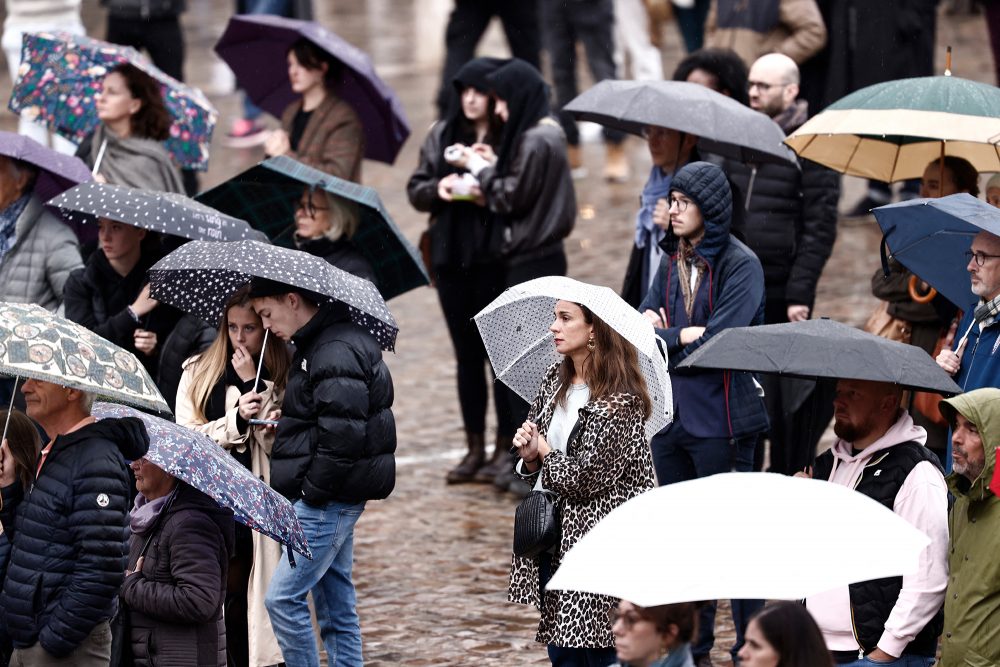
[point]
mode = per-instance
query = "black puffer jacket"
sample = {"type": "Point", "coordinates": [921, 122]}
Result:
{"type": "Point", "coordinates": [791, 223]}
{"type": "Point", "coordinates": [175, 602]}
{"type": "Point", "coordinates": [97, 297]}
{"type": "Point", "coordinates": [337, 435]}
{"type": "Point", "coordinates": [67, 560]}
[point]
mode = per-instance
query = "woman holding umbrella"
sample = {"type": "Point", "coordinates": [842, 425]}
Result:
{"type": "Point", "coordinates": [178, 560]}
{"type": "Point", "coordinates": [217, 396]}
{"type": "Point", "coordinates": [464, 245]}
{"type": "Point", "coordinates": [126, 148]}
{"type": "Point", "coordinates": [319, 129]}
{"type": "Point", "coordinates": [585, 441]}
{"type": "Point", "coordinates": [324, 225]}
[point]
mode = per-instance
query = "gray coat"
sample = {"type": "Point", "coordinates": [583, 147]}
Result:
{"type": "Point", "coordinates": [45, 252]}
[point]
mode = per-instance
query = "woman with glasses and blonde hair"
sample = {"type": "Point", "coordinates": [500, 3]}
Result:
{"type": "Point", "coordinates": [584, 440]}
{"type": "Point", "coordinates": [324, 225]}
{"type": "Point", "coordinates": [654, 636]}
{"type": "Point", "coordinates": [221, 396]}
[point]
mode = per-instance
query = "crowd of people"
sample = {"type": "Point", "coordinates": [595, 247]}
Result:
{"type": "Point", "coordinates": [107, 558]}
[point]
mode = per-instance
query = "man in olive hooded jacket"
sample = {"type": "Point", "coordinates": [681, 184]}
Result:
{"type": "Point", "coordinates": [972, 603]}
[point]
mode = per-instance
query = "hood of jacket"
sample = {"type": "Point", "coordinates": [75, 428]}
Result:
{"type": "Point", "coordinates": [847, 466]}
{"type": "Point", "coordinates": [706, 185]}
{"type": "Point", "coordinates": [982, 408]}
{"type": "Point", "coordinates": [128, 433]}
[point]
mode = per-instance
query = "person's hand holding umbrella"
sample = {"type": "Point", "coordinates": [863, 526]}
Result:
{"type": "Point", "coordinates": [277, 143]}
{"type": "Point", "coordinates": [145, 340]}
{"type": "Point", "coordinates": [531, 446]}
{"type": "Point", "coordinates": [950, 360]}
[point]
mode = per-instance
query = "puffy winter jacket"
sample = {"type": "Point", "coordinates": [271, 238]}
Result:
{"type": "Point", "coordinates": [175, 602]}
{"type": "Point", "coordinates": [67, 558]}
{"type": "Point", "coordinates": [337, 435]}
{"type": "Point", "coordinates": [35, 270]}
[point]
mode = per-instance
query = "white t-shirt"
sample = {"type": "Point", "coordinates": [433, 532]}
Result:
{"type": "Point", "coordinates": [564, 418]}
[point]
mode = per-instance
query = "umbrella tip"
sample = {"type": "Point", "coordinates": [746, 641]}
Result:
{"type": "Point", "coordinates": [947, 61]}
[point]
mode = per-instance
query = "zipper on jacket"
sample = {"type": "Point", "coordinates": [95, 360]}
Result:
{"type": "Point", "coordinates": [854, 629]}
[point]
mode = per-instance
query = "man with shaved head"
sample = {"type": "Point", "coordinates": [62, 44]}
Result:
{"type": "Point", "coordinates": [880, 453]}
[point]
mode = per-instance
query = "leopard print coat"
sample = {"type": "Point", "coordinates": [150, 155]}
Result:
{"type": "Point", "coordinates": [607, 461]}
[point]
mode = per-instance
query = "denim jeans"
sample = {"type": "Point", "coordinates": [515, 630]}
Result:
{"type": "Point", "coordinates": [902, 661]}
{"type": "Point", "coordinates": [330, 533]}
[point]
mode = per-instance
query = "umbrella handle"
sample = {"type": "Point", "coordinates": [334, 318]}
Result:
{"type": "Point", "coordinates": [883, 253]}
{"type": "Point", "coordinates": [915, 292]}
{"type": "Point", "coordinates": [260, 362]}
{"type": "Point", "coordinates": [10, 408]}
{"type": "Point", "coordinates": [100, 157]}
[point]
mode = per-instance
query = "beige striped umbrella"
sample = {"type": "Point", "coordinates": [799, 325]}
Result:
{"type": "Point", "coordinates": [892, 130]}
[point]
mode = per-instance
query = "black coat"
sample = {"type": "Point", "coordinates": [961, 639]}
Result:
{"type": "Point", "coordinates": [97, 298]}
{"type": "Point", "coordinates": [190, 336]}
{"type": "Point", "coordinates": [340, 253]}
{"type": "Point", "coordinates": [175, 602]}
{"type": "Point", "coordinates": [67, 560]}
{"type": "Point", "coordinates": [337, 435]}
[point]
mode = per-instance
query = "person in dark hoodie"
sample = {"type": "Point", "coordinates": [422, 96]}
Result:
{"type": "Point", "coordinates": [527, 185]}
{"type": "Point", "coordinates": [175, 585]}
{"type": "Point", "coordinates": [708, 281]}
{"type": "Point", "coordinates": [464, 250]}
{"type": "Point", "coordinates": [333, 451]}
{"type": "Point", "coordinates": [66, 563]}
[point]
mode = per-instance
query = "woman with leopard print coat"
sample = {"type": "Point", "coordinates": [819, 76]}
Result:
{"type": "Point", "coordinates": [584, 441]}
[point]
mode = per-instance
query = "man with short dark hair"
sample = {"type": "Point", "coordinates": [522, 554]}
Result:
{"type": "Point", "coordinates": [67, 554]}
{"type": "Point", "coordinates": [880, 453]}
{"type": "Point", "coordinates": [333, 451]}
{"type": "Point", "coordinates": [972, 604]}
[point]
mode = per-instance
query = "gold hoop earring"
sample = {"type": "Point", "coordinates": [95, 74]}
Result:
{"type": "Point", "coordinates": [591, 344]}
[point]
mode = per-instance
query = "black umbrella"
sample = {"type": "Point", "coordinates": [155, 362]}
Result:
{"type": "Point", "coordinates": [821, 349]}
{"type": "Point", "coordinates": [201, 276]}
{"type": "Point", "coordinates": [723, 125]}
{"type": "Point", "coordinates": [162, 212]}
{"type": "Point", "coordinates": [266, 196]}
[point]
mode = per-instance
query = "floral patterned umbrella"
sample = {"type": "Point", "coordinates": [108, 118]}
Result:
{"type": "Point", "coordinates": [199, 461]}
{"type": "Point", "coordinates": [61, 73]}
{"type": "Point", "coordinates": [35, 343]}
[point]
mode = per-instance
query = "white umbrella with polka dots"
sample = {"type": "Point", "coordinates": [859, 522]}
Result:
{"type": "Point", "coordinates": [200, 276]}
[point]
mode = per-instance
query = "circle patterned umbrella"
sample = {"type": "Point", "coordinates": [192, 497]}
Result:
{"type": "Point", "coordinates": [37, 344]}
{"type": "Point", "coordinates": [60, 74]}
{"type": "Point", "coordinates": [162, 212]}
{"type": "Point", "coordinates": [200, 276]}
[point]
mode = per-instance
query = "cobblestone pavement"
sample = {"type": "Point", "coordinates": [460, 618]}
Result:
{"type": "Point", "coordinates": [431, 561]}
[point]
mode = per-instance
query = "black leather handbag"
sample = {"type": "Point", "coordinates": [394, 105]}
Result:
{"type": "Point", "coordinates": [536, 524]}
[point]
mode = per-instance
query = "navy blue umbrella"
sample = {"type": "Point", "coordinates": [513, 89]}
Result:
{"type": "Point", "coordinates": [931, 236]}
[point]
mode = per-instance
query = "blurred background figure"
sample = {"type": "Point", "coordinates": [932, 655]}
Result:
{"type": "Point", "coordinates": [792, 27]}
{"type": "Point", "coordinates": [654, 636]}
{"type": "Point", "coordinates": [634, 40]}
{"type": "Point", "coordinates": [784, 634]}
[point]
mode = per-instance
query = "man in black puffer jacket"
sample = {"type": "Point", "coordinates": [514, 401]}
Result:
{"type": "Point", "coordinates": [334, 450]}
{"type": "Point", "coordinates": [67, 558]}
{"type": "Point", "coordinates": [791, 225]}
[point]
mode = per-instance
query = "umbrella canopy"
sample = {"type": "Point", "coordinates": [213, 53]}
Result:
{"type": "Point", "coordinates": [931, 236]}
{"type": "Point", "coordinates": [198, 460]}
{"type": "Point", "coordinates": [267, 195]}
{"type": "Point", "coordinates": [891, 131]}
{"type": "Point", "coordinates": [515, 330]}
{"type": "Point", "coordinates": [723, 125]}
{"type": "Point", "coordinates": [256, 48]}
{"type": "Point", "coordinates": [161, 212]}
{"type": "Point", "coordinates": [37, 344]}
{"type": "Point", "coordinates": [200, 276]}
{"type": "Point", "coordinates": [795, 529]}
{"type": "Point", "coordinates": [60, 75]}
{"type": "Point", "coordinates": [821, 349]}
{"type": "Point", "coordinates": [56, 172]}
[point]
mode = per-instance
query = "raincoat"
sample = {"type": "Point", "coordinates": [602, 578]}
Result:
{"type": "Point", "coordinates": [972, 604]}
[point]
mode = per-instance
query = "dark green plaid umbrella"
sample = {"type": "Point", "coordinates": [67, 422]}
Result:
{"type": "Point", "coordinates": [266, 196]}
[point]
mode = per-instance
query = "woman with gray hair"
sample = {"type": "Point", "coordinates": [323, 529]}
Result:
{"type": "Point", "coordinates": [324, 225]}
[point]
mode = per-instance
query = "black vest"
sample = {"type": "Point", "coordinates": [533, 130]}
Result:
{"type": "Point", "coordinates": [872, 601]}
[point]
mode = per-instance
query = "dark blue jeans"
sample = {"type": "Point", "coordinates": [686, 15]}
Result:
{"type": "Point", "coordinates": [679, 456]}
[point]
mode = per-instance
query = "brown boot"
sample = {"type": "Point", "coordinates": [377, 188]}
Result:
{"type": "Point", "coordinates": [574, 155]}
{"type": "Point", "coordinates": [499, 461]}
{"type": "Point", "coordinates": [616, 169]}
{"type": "Point", "coordinates": [465, 471]}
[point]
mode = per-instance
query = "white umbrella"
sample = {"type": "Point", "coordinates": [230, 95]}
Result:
{"type": "Point", "coordinates": [515, 330]}
{"type": "Point", "coordinates": [740, 536]}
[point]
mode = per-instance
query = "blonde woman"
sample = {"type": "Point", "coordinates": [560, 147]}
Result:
{"type": "Point", "coordinates": [324, 225]}
{"type": "Point", "coordinates": [217, 397]}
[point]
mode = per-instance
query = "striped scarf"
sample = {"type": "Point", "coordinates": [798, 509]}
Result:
{"type": "Point", "coordinates": [686, 259]}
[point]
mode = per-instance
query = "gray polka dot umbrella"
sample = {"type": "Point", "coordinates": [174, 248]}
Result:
{"type": "Point", "coordinates": [199, 277]}
{"type": "Point", "coordinates": [162, 212]}
{"type": "Point", "coordinates": [515, 330]}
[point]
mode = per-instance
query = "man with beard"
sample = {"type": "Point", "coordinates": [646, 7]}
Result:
{"type": "Point", "coordinates": [880, 453]}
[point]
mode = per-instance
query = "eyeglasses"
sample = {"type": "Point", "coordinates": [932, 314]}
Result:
{"type": "Point", "coordinates": [628, 618]}
{"type": "Point", "coordinates": [764, 87]}
{"type": "Point", "coordinates": [682, 204]}
{"type": "Point", "coordinates": [309, 208]}
{"type": "Point", "coordinates": [980, 256]}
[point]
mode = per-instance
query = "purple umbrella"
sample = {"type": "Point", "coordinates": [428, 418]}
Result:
{"type": "Point", "coordinates": [256, 48]}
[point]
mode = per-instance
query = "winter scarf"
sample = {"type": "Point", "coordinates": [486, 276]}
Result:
{"type": "Point", "coordinates": [686, 259]}
{"type": "Point", "coordinates": [657, 187]}
{"type": "Point", "coordinates": [145, 512]}
{"type": "Point", "coordinates": [8, 223]}
{"type": "Point", "coordinates": [986, 313]}
{"type": "Point", "coordinates": [138, 163]}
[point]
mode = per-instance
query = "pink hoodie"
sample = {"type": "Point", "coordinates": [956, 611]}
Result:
{"type": "Point", "coordinates": [923, 501]}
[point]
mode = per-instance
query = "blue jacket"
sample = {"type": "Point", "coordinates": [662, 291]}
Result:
{"type": "Point", "coordinates": [711, 404]}
{"type": "Point", "coordinates": [980, 362]}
